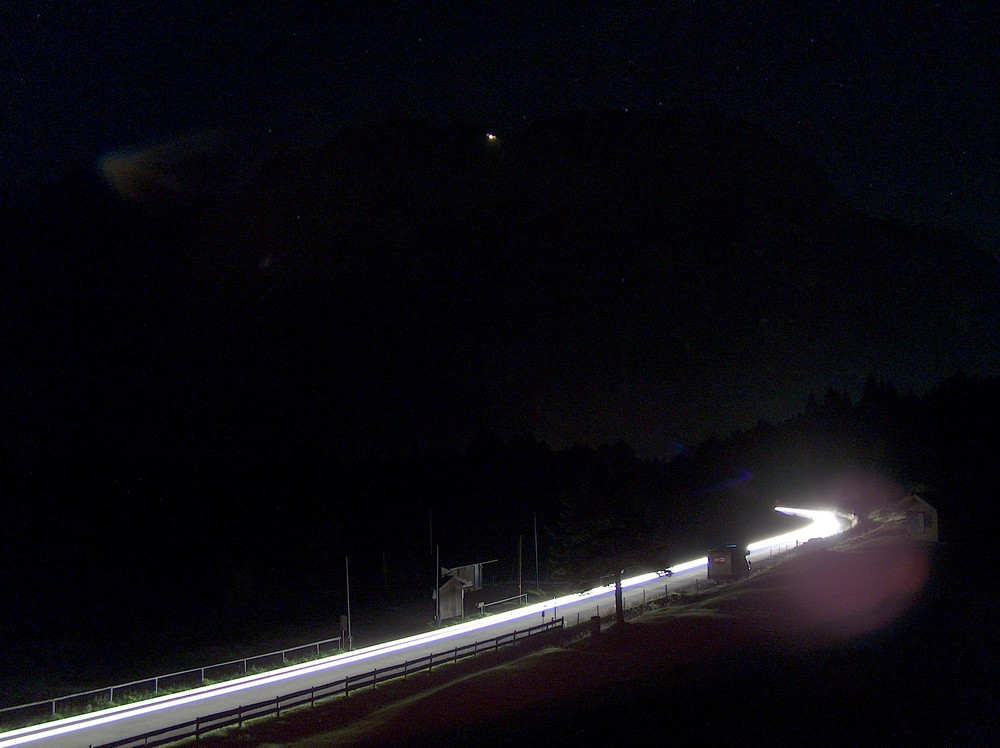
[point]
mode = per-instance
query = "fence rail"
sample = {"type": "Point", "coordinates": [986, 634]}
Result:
{"type": "Point", "coordinates": [197, 727]}
{"type": "Point", "coordinates": [46, 708]}
{"type": "Point", "coordinates": [522, 599]}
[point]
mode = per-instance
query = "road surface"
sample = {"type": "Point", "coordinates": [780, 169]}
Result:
{"type": "Point", "coordinates": [131, 720]}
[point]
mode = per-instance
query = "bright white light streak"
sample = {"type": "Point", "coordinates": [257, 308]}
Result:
{"type": "Point", "coordinates": [688, 565]}
{"type": "Point", "coordinates": [824, 523]}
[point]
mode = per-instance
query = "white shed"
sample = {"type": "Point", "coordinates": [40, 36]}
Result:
{"type": "Point", "coordinates": [921, 520]}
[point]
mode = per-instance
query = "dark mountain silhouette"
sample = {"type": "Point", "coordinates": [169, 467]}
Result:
{"type": "Point", "coordinates": [187, 381]}
{"type": "Point", "coordinates": [603, 276]}
{"type": "Point", "coordinates": [598, 276]}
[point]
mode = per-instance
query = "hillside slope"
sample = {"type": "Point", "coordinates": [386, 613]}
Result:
{"type": "Point", "coordinates": [859, 640]}
{"type": "Point", "coordinates": [600, 276]}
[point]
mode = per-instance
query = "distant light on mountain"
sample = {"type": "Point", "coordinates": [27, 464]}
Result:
{"type": "Point", "coordinates": [209, 162]}
{"type": "Point", "coordinates": [605, 276]}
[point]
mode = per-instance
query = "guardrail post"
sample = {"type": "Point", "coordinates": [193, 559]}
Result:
{"type": "Point", "coordinates": [214, 720]}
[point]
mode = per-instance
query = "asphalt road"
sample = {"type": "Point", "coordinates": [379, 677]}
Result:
{"type": "Point", "coordinates": [132, 720]}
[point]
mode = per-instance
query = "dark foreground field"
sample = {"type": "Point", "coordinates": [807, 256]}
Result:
{"type": "Point", "coordinates": [873, 639]}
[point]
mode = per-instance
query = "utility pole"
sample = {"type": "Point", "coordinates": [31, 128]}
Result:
{"type": "Point", "coordinates": [520, 538]}
{"type": "Point", "coordinates": [347, 576]}
{"type": "Point", "coordinates": [534, 517]}
{"type": "Point", "coordinates": [437, 567]}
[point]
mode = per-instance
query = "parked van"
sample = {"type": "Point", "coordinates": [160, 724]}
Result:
{"type": "Point", "coordinates": [729, 562]}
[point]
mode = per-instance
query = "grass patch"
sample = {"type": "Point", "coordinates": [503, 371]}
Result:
{"type": "Point", "coordinates": [142, 691]}
{"type": "Point", "coordinates": [684, 650]}
{"type": "Point", "coordinates": [351, 720]}
{"type": "Point", "coordinates": [481, 690]}
{"type": "Point", "coordinates": [679, 645]}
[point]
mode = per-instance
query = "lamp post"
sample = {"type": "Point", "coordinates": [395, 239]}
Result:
{"type": "Point", "coordinates": [520, 539]}
{"type": "Point", "coordinates": [347, 576]}
{"type": "Point", "coordinates": [534, 517]}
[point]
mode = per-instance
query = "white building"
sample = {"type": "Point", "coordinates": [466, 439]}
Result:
{"type": "Point", "coordinates": [921, 520]}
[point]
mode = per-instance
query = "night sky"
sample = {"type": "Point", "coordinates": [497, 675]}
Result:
{"type": "Point", "coordinates": [897, 106]}
{"type": "Point", "coordinates": [701, 228]}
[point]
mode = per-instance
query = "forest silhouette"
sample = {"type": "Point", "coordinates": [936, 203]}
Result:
{"type": "Point", "coordinates": [414, 336]}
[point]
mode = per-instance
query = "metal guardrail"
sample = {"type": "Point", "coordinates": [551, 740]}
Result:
{"type": "Point", "coordinates": [773, 556]}
{"type": "Point", "coordinates": [522, 598]}
{"type": "Point", "coordinates": [45, 709]}
{"type": "Point", "coordinates": [197, 727]}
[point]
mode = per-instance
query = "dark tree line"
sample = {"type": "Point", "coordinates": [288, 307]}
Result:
{"type": "Point", "coordinates": [858, 457]}
{"type": "Point", "coordinates": [175, 558]}
{"type": "Point", "coordinates": [207, 404]}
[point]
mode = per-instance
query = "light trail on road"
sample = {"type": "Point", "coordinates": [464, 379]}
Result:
{"type": "Point", "coordinates": [823, 524]}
